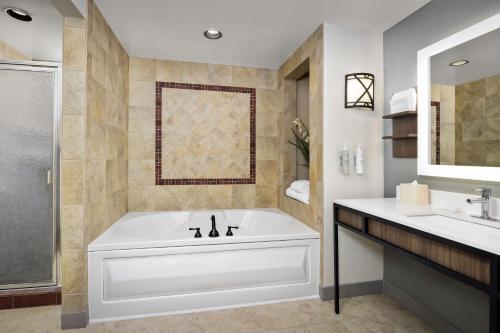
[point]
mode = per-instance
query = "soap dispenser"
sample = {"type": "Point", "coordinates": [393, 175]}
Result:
{"type": "Point", "coordinates": [358, 160]}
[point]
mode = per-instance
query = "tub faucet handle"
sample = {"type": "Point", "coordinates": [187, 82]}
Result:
{"type": "Point", "coordinates": [213, 232]}
{"type": "Point", "coordinates": [198, 233]}
{"type": "Point", "coordinates": [229, 231]}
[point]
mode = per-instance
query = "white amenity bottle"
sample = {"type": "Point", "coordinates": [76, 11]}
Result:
{"type": "Point", "coordinates": [358, 160]}
{"type": "Point", "coordinates": [344, 160]}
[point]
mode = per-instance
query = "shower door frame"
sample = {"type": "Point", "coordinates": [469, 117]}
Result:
{"type": "Point", "coordinates": [56, 69]}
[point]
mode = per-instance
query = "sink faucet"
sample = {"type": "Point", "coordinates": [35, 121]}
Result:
{"type": "Point", "coordinates": [485, 203]}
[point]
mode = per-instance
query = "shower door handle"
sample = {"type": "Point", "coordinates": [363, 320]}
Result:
{"type": "Point", "coordinates": [49, 177]}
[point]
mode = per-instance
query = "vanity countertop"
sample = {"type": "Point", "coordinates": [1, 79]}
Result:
{"type": "Point", "coordinates": [425, 219]}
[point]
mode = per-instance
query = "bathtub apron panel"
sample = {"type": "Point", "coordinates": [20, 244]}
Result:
{"type": "Point", "coordinates": [149, 263]}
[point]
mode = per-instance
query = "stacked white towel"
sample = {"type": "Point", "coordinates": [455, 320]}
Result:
{"type": "Point", "coordinates": [299, 190]}
{"type": "Point", "coordinates": [405, 100]}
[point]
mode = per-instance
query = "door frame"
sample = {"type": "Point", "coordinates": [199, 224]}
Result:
{"type": "Point", "coordinates": [56, 69]}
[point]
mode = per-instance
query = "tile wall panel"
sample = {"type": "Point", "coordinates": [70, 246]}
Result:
{"type": "Point", "coordinates": [94, 145]}
{"type": "Point", "coordinates": [201, 192]}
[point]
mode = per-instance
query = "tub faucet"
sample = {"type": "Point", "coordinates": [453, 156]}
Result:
{"type": "Point", "coordinates": [485, 203]}
{"type": "Point", "coordinates": [213, 232]}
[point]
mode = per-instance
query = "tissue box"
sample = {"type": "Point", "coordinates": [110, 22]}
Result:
{"type": "Point", "coordinates": [414, 194]}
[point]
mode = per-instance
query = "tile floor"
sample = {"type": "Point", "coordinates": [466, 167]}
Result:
{"type": "Point", "coordinates": [374, 313]}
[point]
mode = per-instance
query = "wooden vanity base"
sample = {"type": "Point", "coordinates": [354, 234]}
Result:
{"type": "Point", "coordinates": [469, 265]}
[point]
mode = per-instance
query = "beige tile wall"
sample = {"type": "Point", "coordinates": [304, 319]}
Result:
{"type": "Point", "coordinates": [106, 126]}
{"type": "Point", "coordinates": [478, 122]}
{"type": "Point", "coordinates": [72, 166]}
{"type": "Point", "coordinates": [445, 95]}
{"type": "Point", "coordinates": [470, 122]}
{"type": "Point", "coordinates": [143, 194]}
{"type": "Point", "coordinates": [312, 51]}
{"type": "Point", "coordinates": [7, 52]}
{"type": "Point", "coordinates": [94, 145]}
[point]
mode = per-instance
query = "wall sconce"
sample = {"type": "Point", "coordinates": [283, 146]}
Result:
{"type": "Point", "coordinates": [359, 91]}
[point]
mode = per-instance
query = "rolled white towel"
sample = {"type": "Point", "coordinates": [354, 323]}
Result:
{"type": "Point", "coordinates": [300, 186]}
{"type": "Point", "coordinates": [302, 197]}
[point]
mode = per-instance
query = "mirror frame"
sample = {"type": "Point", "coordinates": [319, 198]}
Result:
{"type": "Point", "coordinates": [425, 168]}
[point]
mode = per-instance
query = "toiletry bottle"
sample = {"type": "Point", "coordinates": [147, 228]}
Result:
{"type": "Point", "coordinates": [358, 160]}
{"type": "Point", "coordinates": [344, 160]}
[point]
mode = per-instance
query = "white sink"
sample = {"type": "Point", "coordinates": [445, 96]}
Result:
{"type": "Point", "coordinates": [445, 218]}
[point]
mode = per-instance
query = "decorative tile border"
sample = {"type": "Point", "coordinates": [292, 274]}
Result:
{"type": "Point", "coordinates": [438, 131]}
{"type": "Point", "coordinates": [158, 135]}
{"type": "Point", "coordinates": [26, 298]}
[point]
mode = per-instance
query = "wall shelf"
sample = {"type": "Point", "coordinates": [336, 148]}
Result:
{"type": "Point", "coordinates": [404, 114]}
{"type": "Point", "coordinates": [406, 137]}
{"type": "Point", "coordinates": [404, 127]}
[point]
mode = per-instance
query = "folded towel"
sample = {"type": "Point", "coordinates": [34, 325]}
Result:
{"type": "Point", "coordinates": [302, 197]}
{"type": "Point", "coordinates": [301, 186]}
{"type": "Point", "coordinates": [405, 100]}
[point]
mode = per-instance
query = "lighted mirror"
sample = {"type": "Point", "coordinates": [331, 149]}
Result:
{"type": "Point", "coordinates": [459, 105]}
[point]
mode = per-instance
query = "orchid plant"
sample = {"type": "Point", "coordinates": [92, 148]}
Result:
{"type": "Point", "coordinates": [301, 134]}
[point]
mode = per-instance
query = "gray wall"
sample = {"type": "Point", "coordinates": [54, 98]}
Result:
{"type": "Point", "coordinates": [446, 304]}
{"type": "Point", "coordinates": [461, 305]}
{"type": "Point", "coordinates": [433, 22]}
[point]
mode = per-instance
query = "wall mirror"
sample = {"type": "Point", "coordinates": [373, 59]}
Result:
{"type": "Point", "coordinates": [459, 104]}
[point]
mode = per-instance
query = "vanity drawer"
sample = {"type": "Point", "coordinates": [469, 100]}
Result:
{"type": "Point", "coordinates": [460, 261]}
{"type": "Point", "coordinates": [349, 218]}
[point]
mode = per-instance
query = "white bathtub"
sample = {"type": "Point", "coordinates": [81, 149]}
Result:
{"type": "Point", "coordinates": [150, 263]}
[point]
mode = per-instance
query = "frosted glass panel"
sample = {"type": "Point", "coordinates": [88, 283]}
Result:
{"type": "Point", "coordinates": [26, 139]}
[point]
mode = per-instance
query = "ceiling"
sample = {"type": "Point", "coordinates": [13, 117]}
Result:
{"type": "Point", "coordinates": [482, 52]}
{"type": "Point", "coordinates": [257, 33]}
{"type": "Point", "coordinates": [40, 39]}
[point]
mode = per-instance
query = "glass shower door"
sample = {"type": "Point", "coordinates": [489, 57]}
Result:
{"type": "Point", "coordinates": [28, 149]}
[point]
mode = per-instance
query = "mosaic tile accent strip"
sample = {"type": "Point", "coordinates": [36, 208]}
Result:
{"type": "Point", "coordinates": [159, 180]}
{"type": "Point", "coordinates": [438, 131]}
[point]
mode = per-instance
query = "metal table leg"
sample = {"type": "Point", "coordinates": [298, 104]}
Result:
{"type": "Point", "coordinates": [336, 265]}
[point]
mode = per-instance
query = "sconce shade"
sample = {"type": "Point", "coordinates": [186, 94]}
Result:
{"type": "Point", "coordinates": [359, 91]}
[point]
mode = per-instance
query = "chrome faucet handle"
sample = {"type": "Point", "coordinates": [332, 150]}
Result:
{"type": "Point", "coordinates": [485, 192]}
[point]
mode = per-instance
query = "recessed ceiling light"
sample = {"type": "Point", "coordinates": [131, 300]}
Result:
{"type": "Point", "coordinates": [18, 14]}
{"type": "Point", "coordinates": [459, 63]}
{"type": "Point", "coordinates": [212, 34]}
